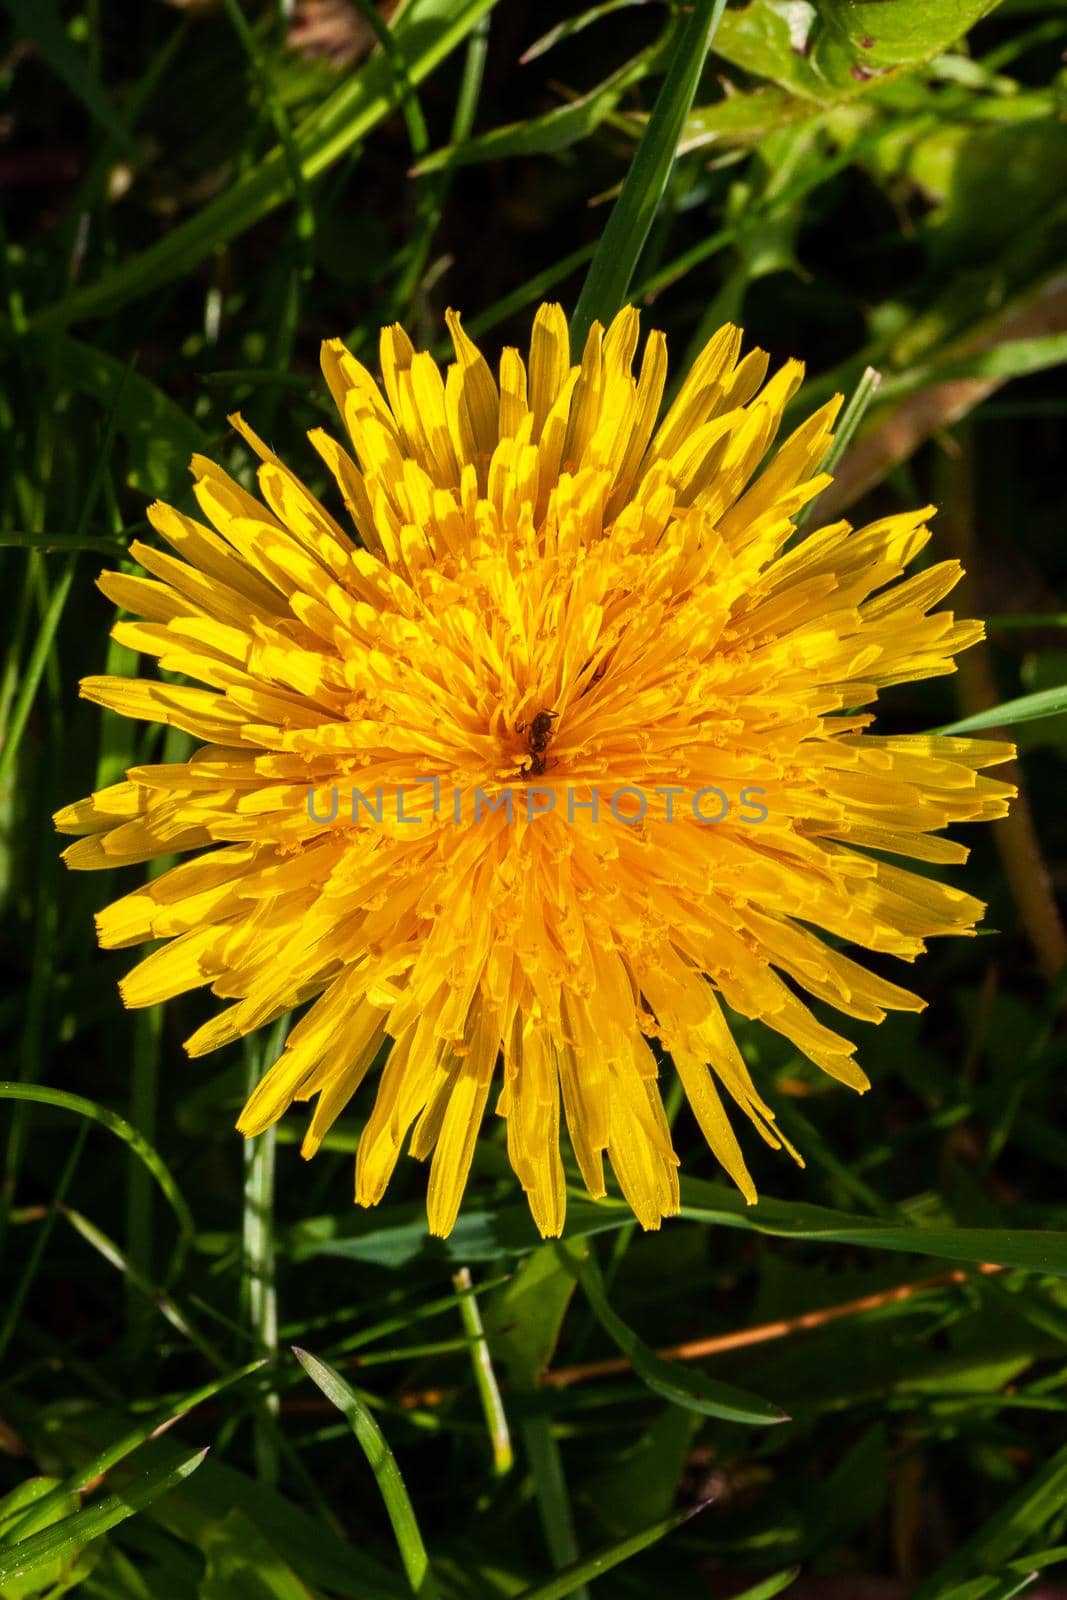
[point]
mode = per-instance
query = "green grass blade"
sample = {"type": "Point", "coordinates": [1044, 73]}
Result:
{"type": "Point", "coordinates": [1018, 1523]}
{"type": "Point", "coordinates": [305, 209]}
{"type": "Point", "coordinates": [259, 1297]}
{"type": "Point", "coordinates": [65, 1539]}
{"type": "Point", "coordinates": [553, 1499]}
{"type": "Point", "coordinates": [163, 1303]}
{"type": "Point", "coordinates": [79, 1481]}
{"type": "Point", "coordinates": [484, 1375]}
{"type": "Point", "coordinates": [612, 268]}
{"type": "Point", "coordinates": [386, 1472]}
{"type": "Point", "coordinates": [123, 1130]}
{"type": "Point", "coordinates": [612, 1555]}
{"type": "Point", "coordinates": [425, 33]}
{"type": "Point", "coordinates": [1015, 358]}
{"type": "Point", "coordinates": [557, 129]}
{"type": "Point", "coordinates": [573, 25]}
{"type": "Point", "coordinates": [669, 1379]}
{"type": "Point", "coordinates": [32, 673]}
{"type": "Point", "coordinates": [1027, 708]}
{"type": "Point", "coordinates": [851, 417]}
{"type": "Point", "coordinates": [777, 1583]}
{"type": "Point", "coordinates": [40, 1244]}
{"type": "Point", "coordinates": [1032, 1249]}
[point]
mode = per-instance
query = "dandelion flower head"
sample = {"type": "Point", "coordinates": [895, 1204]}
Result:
{"type": "Point", "coordinates": [536, 585]}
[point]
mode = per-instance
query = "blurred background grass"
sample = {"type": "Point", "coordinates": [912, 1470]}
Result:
{"type": "Point", "coordinates": [194, 195]}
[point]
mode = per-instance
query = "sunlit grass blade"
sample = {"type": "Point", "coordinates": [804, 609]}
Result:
{"type": "Point", "coordinates": [484, 1375]}
{"type": "Point", "coordinates": [1014, 358]}
{"type": "Point", "coordinates": [777, 1583]}
{"type": "Point", "coordinates": [79, 1481]}
{"type": "Point", "coordinates": [612, 1555]}
{"type": "Point", "coordinates": [612, 268]}
{"type": "Point", "coordinates": [851, 417]}
{"type": "Point", "coordinates": [383, 1465]}
{"type": "Point", "coordinates": [668, 1379]}
{"type": "Point", "coordinates": [64, 1539]}
{"type": "Point", "coordinates": [259, 1299]}
{"type": "Point", "coordinates": [1027, 708]}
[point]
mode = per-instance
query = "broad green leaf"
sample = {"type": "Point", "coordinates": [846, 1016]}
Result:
{"type": "Point", "coordinates": [424, 32]}
{"type": "Point", "coordinates": [630, 1486]}
{"type": "Point", "coordinates": [524, 1317]}
{"type": "Point", "coordinates": [621, 243]}
{"type": "Point", "coordinates": [904, 33]}
{"type": "Point", "coordinates": [66, 1538]}
{"type": "Point", "coordinates": [669, 1379]}
{"type": "Point", "coordinates": [396, 1236]}
{"type": "Point", "coordinates": [821, 52]}
{"type": "Point", "coordinates": [612, 1555]}
{"type": "Point", "coordinates": [383, 1465]}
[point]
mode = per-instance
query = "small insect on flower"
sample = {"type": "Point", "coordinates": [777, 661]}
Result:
{"type": "Point", "coordinates": [538, 733]}
{"type": "Point", "coordinates": [540, 538]}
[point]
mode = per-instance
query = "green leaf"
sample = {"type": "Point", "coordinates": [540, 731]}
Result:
{"type": "Point", "coordinates": [1027, 708]}
{"type": "Point", "coordinates": [902, 34]}
{"type": "Point", "coordinates": [669, 1379]}
{"type": "Point", "coordinates": [65, 1539]}
{"type": "Point", "coordinates": [525, 1316]}
{"type": "Point", "coordinates": [826, 52]}
{"type": "Point", "coordinates": [424, 32]}
{"type": "Point", "coordinates": [612, 1555]}
{"type": "Point", "coordinates": [612, 267]}
{"type": "Point", "coordinates": [383, 1465]}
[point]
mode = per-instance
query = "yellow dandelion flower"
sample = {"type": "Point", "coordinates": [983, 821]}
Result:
{"type": "Point", "coordinates": [544, 756]}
